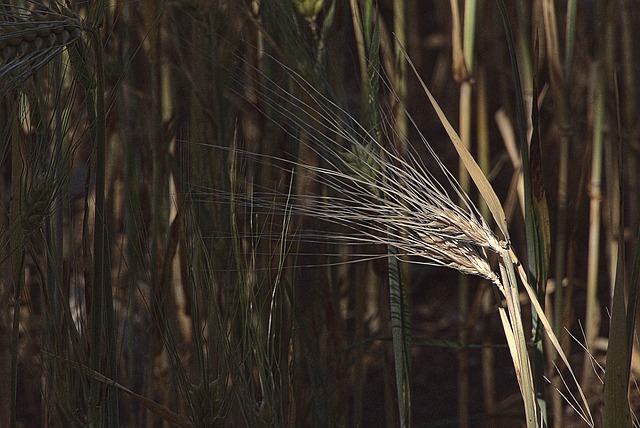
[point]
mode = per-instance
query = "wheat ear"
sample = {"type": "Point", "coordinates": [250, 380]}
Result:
{"type": "Point", "coordinates": [30, 38]}
{"type": "Point", "coordinates": [378, 194]}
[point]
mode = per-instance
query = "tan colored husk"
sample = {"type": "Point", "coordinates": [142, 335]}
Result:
{"type": "Point", "coordinates": [442, 234]}
{"type": "Point", "coordinates": [461, 255]}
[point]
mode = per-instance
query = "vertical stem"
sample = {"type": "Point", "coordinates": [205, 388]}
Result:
{"type": "Point", "coordinates": [524, 55]}
{"type": "Point", "coordinates": [629, 21]}
{"type": "Point", "coordinates": [401, 68]}
{"type": "Point", "coordinates": [563, 168]}
{"type": "Point", "coordinates": [463, 280]}
{"type": "Point", "coordinates": [525, 379]}
{"type": "Point", "coordinates": [591, 323]}
{"type": "Point", "coordinates": [484, 161]}
{"type": "Point", "coordinates": [469, 33]}
{"type": "Point", "coordinates": [616, 410]}
{"type": "Point", "coordinates": [16, 250]}
{"type": "Point", "coordinates": [595, 193]}
{"type": "Point", "coordinates": [402, 339]}
{"type": "Point", "coordinates": [561, 82]}
{"type": "Point", "coordinates": [464, 179]}
{"type": "Point", "coordinates": [6, 273]}
{"type": "Point", "coordinates": [102, 297]}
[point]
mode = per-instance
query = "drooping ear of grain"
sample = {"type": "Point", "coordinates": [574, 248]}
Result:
{"type": "Point", "coordinates": [377, 190]}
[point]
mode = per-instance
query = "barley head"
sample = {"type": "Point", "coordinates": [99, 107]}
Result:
{"type": "Point", "coordinates": [379, 195]}
{"type": "Point", "coordinates": [29, 39]}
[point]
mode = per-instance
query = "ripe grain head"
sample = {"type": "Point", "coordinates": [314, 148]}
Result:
{"type": "Point", "coordinates": [377, 194]}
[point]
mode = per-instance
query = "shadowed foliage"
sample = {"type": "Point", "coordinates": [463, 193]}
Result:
{"type": "Point", "coordinates": [301, 212]}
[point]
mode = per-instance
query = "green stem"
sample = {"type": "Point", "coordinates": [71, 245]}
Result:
{"type": "Point", "coordinates": [466, 93]}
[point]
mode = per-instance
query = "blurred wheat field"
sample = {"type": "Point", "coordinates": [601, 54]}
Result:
{"type": "Point", "coordinates": [249, 213]}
